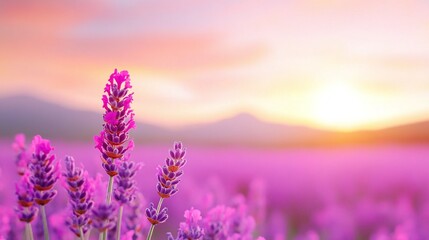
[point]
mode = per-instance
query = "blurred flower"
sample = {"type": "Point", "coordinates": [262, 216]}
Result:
{"type": "Point", "coordinates": [26, 210]}
{"type": "Point", "coordinates": [221, 222]}
{"type": "Point", "coordinates": [133, 220]}
{"type": "Point", "coordinates": [44, 174]}
{"type": "Point", "coordinates": [104, 217]}
{"type": "Point", "coordinates": [217, 222]}
{"type": "Point", "coordinates": [113, 141]}
{"type": "Point", "coordinates": [22, 157]}
{"type": "Point", "coordinates": [80, 197]}
{"type": "Point", "coordinates": [125, 184]}
{"type": "Point", "coordinates": [242, 223]}
{"type": "Point", "coordinates": [191, 228]}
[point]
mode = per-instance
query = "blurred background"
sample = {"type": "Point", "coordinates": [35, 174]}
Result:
{"type": "Point", "coordinates": [316, 111]}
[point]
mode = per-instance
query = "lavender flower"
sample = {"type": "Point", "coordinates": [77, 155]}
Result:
{"type": "Point", "coordinates": [125, 189]}
{"type": "Point", "coordinates": [24, 191]}
{"type": "Point", "coordinates": [168, 179]}
{"type": "Point", "coordinates": [169, 173]}
{"type": "Point", "coordinates": [190, 229]}
{"type": "Point", "coordinates": [125, 184]}
{"type": "Point", "coordinates": [119, 119]}
{"type": "Point", "coordinates": [80, 193]}
{"type": "Point", "coordinates": [103, 217]}
{"type": "Point", "coordinates": [113, 141]}
{"type": "Point", "coordinates": [220, 223]}
{"type": "Point", "coordinates": [44, 174]}
{"type": "Point", "coordinates": [155, 216]}
{"type": "Point", "coordinates": [217, 222]}
{"type": "Point", "coordinates": [21, 158]}
{"type": "Point", "coordinates": [242, 223]}
{"type": "Point", "coordinates": [133, 219]}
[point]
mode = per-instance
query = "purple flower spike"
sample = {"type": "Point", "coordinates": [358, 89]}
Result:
{"type": "Point", "coordinates": [24, 192]}
{"type": "Point", "coordinates": [125, 184]}
{"type": "Point", "coordinates": [80, 193]}
{"type": "Point", "coordinates": [77, 222]}
{"type": "Point", "coordinates": [103, 217]}
{"type": "Point", "coordinates": [155, 218]}
{"type": "Point", "coordinates": [44, 173]}
{"type": "Point", "coordinates": [26, 210]}
{"type": "Point", "coordinates": [26, 214]}
{"type": "Point", "coordinates": [113, 141]}
{"type": "Point", "coordinates": [169, 173]}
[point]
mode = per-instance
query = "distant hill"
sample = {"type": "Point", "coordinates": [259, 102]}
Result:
{"type": "Point", "coordinates": [245, 129]}
{"type": "Point", "coordinates": [33, 116]}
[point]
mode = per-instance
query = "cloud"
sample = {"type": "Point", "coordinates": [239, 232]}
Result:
{"type": "Point", "coordinates": [212, 54]}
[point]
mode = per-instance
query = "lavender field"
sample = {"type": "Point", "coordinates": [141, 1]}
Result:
{"type": "Point", "coordinates": [214, 120]}
{"type": "Point", "coordinates": [359, 192]}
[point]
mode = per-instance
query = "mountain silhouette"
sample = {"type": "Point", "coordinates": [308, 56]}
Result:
{"type": "Point", "coordinates": [32, 116]}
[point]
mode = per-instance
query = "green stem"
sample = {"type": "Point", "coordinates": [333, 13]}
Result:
{"type": "Point", "coordinates": [82, 237]}
{"type": "Point", "coordinates": [149, 236]}
{"type": "Point", "coordinates": [26, 236]}
{"type": "Point", "coordinates": [109, 191]}
{"type": "Point", "coordinates": [28, 231]}
{"type": "Point", "coordinates": [118, 227]}
{"type": "Point", "coordinates": [45, 223]}
{"type": "Point", "coordinates": [103, 235]}
{"type": "Point", "coordinates": [88, 234]}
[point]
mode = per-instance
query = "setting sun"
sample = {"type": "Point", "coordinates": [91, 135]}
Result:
{"type": "Point", "coordinates": [339, 105]}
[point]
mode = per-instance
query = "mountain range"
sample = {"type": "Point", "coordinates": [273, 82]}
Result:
{"type": "Point", "coordinates": [33, 116]}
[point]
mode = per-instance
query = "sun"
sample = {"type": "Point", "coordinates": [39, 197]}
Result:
{"type": "Point", "coordinates": [339, 105]}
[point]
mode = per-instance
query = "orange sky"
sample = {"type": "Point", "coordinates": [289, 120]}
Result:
{"type": "Point", "coordinates": [332, 64]}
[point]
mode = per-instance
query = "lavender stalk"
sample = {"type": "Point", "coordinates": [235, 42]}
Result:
{"type": "Point", "coordinates": [125, 188]}
{"type": "Point", "coordinates": [44, 175]}
{"type": "Point", "coordinates": [80, 194]}
{"type": "Point", "coordinates": [113, 141]}
{"type": "Point", "coordinates": [168, 180]}
{"type": "Point", "coordinates": [103, 217]}
{"type": "Point", "coordinates": [26, 210]}
{"type": "Point", "coordinates": [21, 157]}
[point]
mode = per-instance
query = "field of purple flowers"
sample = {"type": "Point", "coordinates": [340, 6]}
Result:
{"type": "Point", "coordinates": [112, 189]}
{"type": "Point", "coordinates": [345, 193]}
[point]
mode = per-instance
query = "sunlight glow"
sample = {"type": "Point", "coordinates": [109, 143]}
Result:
{"type": "Point", "coordinates": [339, 105]}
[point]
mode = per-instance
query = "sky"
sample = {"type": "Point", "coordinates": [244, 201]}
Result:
{"type": "Point", "coordinates": [331, 64]}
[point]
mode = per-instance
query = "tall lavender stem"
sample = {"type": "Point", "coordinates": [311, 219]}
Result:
{"type": "Point", "coordinates": [125, 188]}
{"type": "Point", "coordinates": [118, 227]}
{"type": "Point", "coordinates": [113, 141]}
{"type": "Point", "coordinates": [29, 231]}
{"type": "Point", "coordinates": [45, 223]}
{"type": "Point", "coordinates": [26, 210]}
{"type": "Point", "coordinates": [80, 197]}
{"type": "Point", "coordinates": [168, 180]}
{"type": "Point", "coordinates": [109, 190]}
{"type": "Point", "coordinates": [82, 235]}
